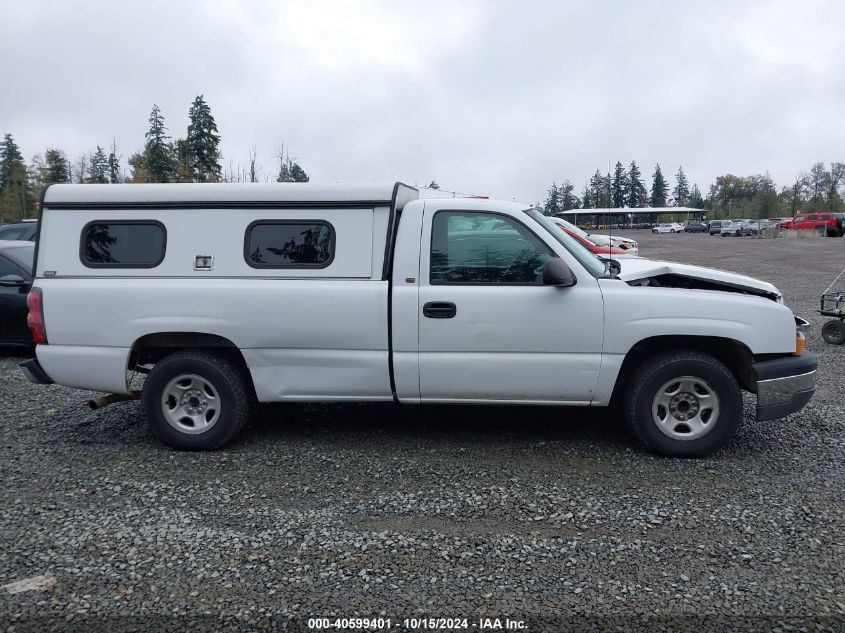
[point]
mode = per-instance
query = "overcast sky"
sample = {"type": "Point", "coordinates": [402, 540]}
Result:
{"type": "Point", "coordinates": [486, 97]}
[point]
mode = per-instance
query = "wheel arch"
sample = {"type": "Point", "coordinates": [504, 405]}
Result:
{"type": "Point", "coordinates": [735, 355]}
{"type": "Point", "coordinates": [151, 348]}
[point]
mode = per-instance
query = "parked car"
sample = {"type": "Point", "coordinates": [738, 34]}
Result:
{"type": "Point", "coordinates": [668, 227]}
{"type": "Point", "coordinates": [697, 227]}
{"type": "Point", "coordinates": [15, 281]}
{"type": "Point", "coordinates": [757, 226]}
{"type": "Point", "coordinates": [830, 224]}
{"type": "Point", "coordinates": [224, 295]}
{"type": "Point", "coordinates": [715, 227]}
{"type": "Point", "coordinates": [23, 230]}
{"type": "Point", "coordinates": [735, 227]}
{"type": "Point", "coordinates": [615, 241]}
{"type": "Point", "coordinates": [601, 245]}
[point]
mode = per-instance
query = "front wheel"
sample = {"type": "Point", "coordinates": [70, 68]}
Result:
{"type": "Point", "coordinates": [683, 404]}
{"type": "Point", "coordinates": [197, 400]}
{"type": "Point", "coordinates": [833, 332]}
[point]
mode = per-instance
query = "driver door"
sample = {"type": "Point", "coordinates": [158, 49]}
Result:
{"type": "Point", "coordinates": [13, 310]}
{"type": "Point", "coordinates": [489, 330]}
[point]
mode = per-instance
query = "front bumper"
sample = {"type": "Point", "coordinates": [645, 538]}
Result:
{"type": "Point", "coordinates": [784, 385]}
{"type": "Point", "coordinates": [34, 372]}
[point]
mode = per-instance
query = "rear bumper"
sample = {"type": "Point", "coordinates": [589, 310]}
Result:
{"type": "Point", "coordinates": [34, 372]}
{"type": "Point", "coordinates": [785, 385]}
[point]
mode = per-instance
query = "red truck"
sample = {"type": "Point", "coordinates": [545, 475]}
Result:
{"type": "Point", "coordinates": [830, 224]}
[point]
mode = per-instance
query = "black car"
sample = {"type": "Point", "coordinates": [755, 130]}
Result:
{"type": "Point", "coordinates": [24, 230]}
{"type": "Point", "coordinates": [16, 259]}
{"type": "Point", "coordinates": [697, 227]}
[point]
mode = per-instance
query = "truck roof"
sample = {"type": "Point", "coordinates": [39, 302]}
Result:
{"type": "Point", "coordinates": [182, 194]}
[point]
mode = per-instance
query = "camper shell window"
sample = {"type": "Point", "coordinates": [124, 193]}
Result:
{"type": "Point", "coordinates": [289, 244]}
{"type": "Point", "coordinates": [123, 244]}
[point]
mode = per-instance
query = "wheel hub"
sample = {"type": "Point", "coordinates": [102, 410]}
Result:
{"type": "Point", "coordinates": [190, 403]}
{"type": "Point", "coordinates": [194, 402]}
{"type": "Point", "coordinates": [684, 406]}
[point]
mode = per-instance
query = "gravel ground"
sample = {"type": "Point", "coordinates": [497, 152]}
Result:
{"type": "Point", "coordinates": [554, 517]}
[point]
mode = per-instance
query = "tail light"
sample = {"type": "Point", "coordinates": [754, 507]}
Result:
{"type": "Point", "coordinates": [35, 318]}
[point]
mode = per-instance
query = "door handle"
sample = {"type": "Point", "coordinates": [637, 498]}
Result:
{"type": "Point", "coordinates": [440, 310]}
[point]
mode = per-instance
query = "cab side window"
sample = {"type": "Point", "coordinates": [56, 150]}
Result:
{"type": "Point", "coordinates": [484, 248]}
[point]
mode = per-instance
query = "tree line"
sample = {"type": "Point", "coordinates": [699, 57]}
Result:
{"type": "Point", "coordinates": [757, 196]}
{"type": "Point", "coordinates": [195, 157]}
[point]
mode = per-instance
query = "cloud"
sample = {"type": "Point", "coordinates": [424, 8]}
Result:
{"type": "Point", "coordinates": [486, 97]}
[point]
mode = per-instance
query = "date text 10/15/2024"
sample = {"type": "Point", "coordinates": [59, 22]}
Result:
{"type": "Point", "coordinates": [417, 624]}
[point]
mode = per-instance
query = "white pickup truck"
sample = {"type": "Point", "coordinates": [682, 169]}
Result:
{"type": "Point", "coordinates": [226, 295]}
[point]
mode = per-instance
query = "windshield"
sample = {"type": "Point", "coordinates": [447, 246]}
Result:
{"type": "Point", "coordinates": [581, 253]}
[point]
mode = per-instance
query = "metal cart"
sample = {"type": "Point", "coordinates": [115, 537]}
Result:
{"type": "Point", "coordinates": [833, 305]}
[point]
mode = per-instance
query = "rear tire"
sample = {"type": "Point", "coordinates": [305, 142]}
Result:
{"type": "Point", "coordinates": [197, 400]}
{"type": "Point", "coordinates": [683, 404]}
{"type": "Point", "coordinates": [833, 332]}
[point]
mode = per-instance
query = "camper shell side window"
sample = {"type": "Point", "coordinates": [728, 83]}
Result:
{"type": "Point", "coordinates": [122, 244]}
{"type": "Point", "coordinates": [289, 244]}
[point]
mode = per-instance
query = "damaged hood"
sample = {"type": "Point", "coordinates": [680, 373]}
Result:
{"type": "Point", "coordinates": [636, 269]}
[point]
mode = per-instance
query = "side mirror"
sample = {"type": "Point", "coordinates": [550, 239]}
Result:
{"type": "Point", "coordinates": [12, 281]}
{"type": "Point", "coordinates": [557, 273]}
{"type": "Point", "coordinates": [613, 266]}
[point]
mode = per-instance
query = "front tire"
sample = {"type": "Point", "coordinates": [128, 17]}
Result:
{"type": "Point", "coordinates": [683, 404]}
{"type": "Point", "coordinates": [833, 332]}
{"type": "Point", "coordinates": [197, 400]}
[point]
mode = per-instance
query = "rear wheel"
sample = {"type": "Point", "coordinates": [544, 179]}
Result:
{"type": "Point", "coordinates": [197, 400]}
{"type": "Point", "coordinates": [833, 332]}
{"type": "Point", "coordinates": [683, 404]}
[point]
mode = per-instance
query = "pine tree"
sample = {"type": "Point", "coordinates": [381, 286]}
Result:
{"type": "Point", "coordinates": [637, 195]}
{"type": "Point", "coordinates": [659, 188]}
{"type": "Point", "coordinates": [681, 191]}
{"type": "Point", "coordinates": [298, 174]}
{"type": "Point", "coordinates": [159, 160]}
{"type": "Point", "coordinates": [98, 165]}
{"type": "Point", "coordinates": [607, 191]}
{"type": "Point", "coordinates": [597, 194]}
{"type": "Point", "coordinates": [696, 201]}
{"type": "Point", "coordinates": [181, 149]}
{"type": "Point", "coordinates": [587, 197]}
{"type": "Point", "coordinates": [138, 165]}
{"type": "Point", "coordinates": [289, 170]}
{"type": "Point", "coordinates": [16, 200]}
{"type": "Point", "coordinates": [552, 204]}
{"type": "Point", "coordinates": [56, 167]}
{"type": "Point", "coordinates": [566, 197]}
{"type": "Point", "coordinates": [11, 162]}
{"type": "Point", "coordinates": [619, 186]}
{"type": "Point", "coordinates": [113, 166]}
{"type": "Point", "coordinates": [203, 143]}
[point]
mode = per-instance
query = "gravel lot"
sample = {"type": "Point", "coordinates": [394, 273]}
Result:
{"type": "Point", "coordinates": [555, 517]}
